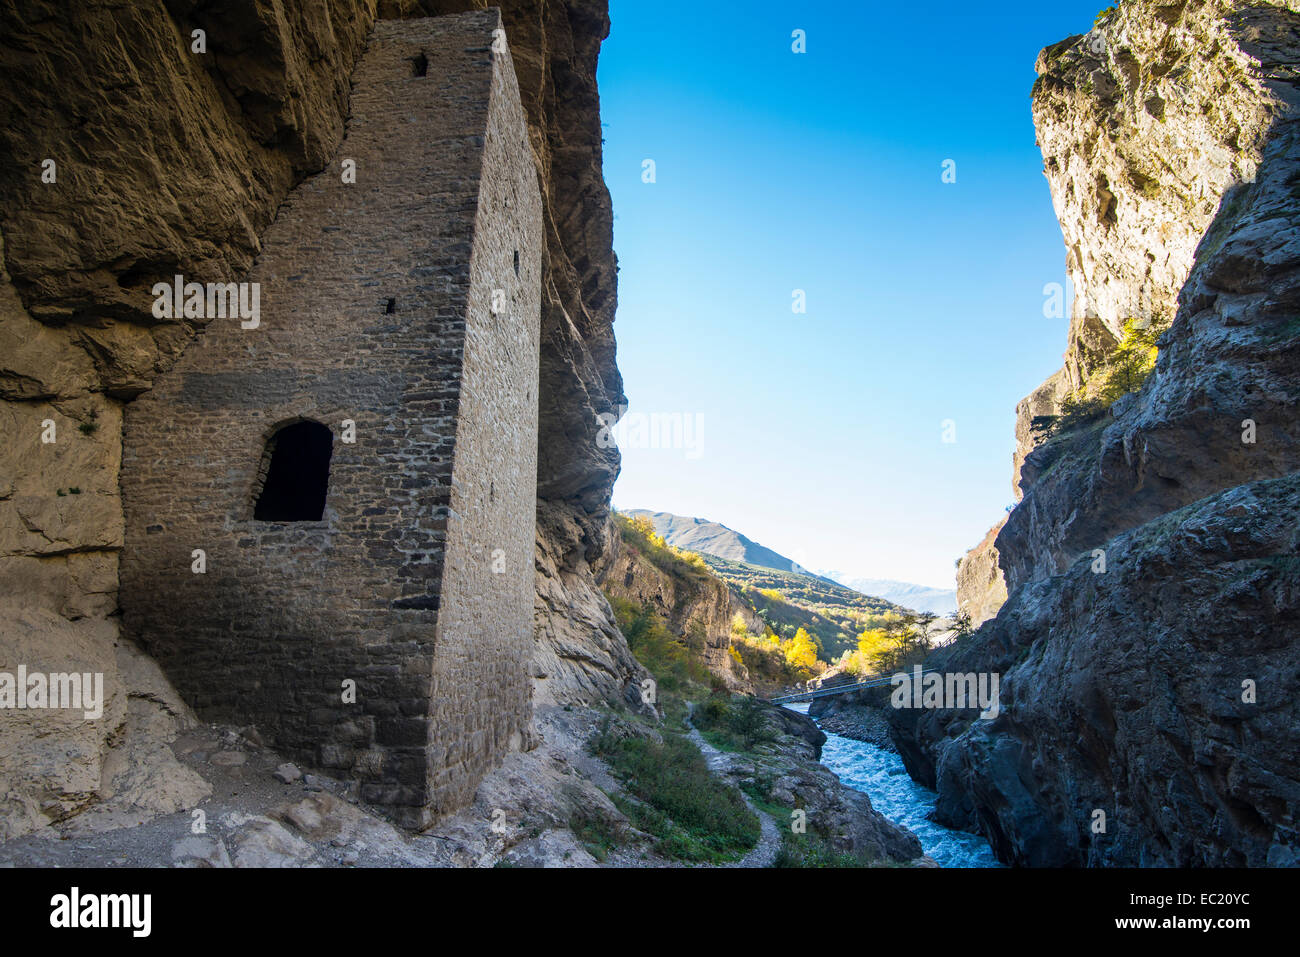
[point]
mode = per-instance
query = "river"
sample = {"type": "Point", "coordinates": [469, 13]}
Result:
{"type": "Point", "coordinates": [880, 775]}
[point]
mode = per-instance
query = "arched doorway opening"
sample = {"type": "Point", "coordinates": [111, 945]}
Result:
{"type": "Point", "coordinates": [296, 466]}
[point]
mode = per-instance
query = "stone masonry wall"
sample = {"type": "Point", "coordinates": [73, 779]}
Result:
{"type": "Point", "coordinates": [482, 684]}
{"type": "Point", "coordinates": [285, 613]}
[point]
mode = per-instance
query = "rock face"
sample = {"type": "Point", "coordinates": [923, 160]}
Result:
{"type": "Point", "coordinates": [1165, 137]}
{"type": "Point", "coordinates": [99, 764]}
{"type": "Point", "coordinates": [52, 762]}
{"type": "Point", "coordinates": [1149, 567]}
{"type": "Point", "coordinates": [1224, 148]}
{"type": "Point", "coordinates": [167, 160]}
{"type": "Point", "coordinates": [1126, 692]}
{"type": "Point", "coordinates": [696, 605]}
{"type": "Point", "coordinates": [580, 655]}
{"type": "Point", "coordinates": [981, 588]}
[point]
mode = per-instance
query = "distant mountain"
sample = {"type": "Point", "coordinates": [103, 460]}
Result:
{"type": "Point", "coordinates": [711, 538]}
{"type": "Point", "coordinates": [941, 601]}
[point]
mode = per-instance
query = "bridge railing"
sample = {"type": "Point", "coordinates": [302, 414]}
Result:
{"type": "Point", "coordinates": [872, 681]}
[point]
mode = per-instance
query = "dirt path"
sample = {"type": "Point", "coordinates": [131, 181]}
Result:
{"type": "Point", "coordinates": [769, 841]}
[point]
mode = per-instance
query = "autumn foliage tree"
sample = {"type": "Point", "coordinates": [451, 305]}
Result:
{"type": "Point", "coordinates": [801, 651]}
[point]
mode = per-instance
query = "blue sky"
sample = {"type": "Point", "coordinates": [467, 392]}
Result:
{"type": "Point", "coordinates": [821, 434]}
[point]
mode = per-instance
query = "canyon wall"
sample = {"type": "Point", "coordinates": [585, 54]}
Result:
{"type": "Point", "coordinates": [1152, 127]}
{"type": "Point", "coordinates": [166, 160]}
{"type": "Point", "coordinates": [696, 606]}
{"type": "Point", "coordinates": [1152, 564]}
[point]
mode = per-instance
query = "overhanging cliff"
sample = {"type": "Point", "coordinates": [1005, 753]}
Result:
{"type": "Point", "coordinates": [166, 161]}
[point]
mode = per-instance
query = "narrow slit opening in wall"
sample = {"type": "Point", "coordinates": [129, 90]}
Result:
{"type": "Point", "coordinates": [516, 262]}
{"type": "Point", "coordinates": [390, 307]}
{"type": "Point", "coordinates": [419, 65]}
{"type": "Point", "coordinates": [297, 469]}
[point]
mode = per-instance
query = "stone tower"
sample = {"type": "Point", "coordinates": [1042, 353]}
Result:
{"type": "Point", "coordinates": [358, 471]}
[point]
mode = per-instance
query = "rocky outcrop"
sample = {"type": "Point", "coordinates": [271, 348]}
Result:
{"type": "Point", "coordinates": [694, 603]}
{"type": "Point", "coordinates": [166, 160]}
{"type": "Point", "coordinates": [580, 653]}
{"type": "Point", "coordinates": [981, 589]}
{"type": "Point", "coordinates": [104, 763]}
{"type": "Point", "coordinates": [1158, 693]}
{"type": "Point", "coordinates": [1150, 565]}
{"type": "Point", "coordinates": [1223, 159]}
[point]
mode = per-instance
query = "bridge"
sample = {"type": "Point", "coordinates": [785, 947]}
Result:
{"type": "Point", "coordinates": [871, 681]}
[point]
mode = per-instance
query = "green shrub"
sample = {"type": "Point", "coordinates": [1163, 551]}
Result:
{"type": "Point", "coordinates": [1124, 372]}
{"type": "Point", "coordinates": [711, 712]}
{"type": "Point", "coordinates": [733, 724]}
{"type": "Point", "coordinates": [1077, 410]}
{"type": "Point", "coordinates": [811, 850]}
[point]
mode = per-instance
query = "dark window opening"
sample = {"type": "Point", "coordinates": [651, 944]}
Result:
{"type": "Point", "coordinates": [390, 307]}
{"type": "Point", "coordinates": [420, 65]}
{"type": "Point", "coordinates": [516, 262]}
{"type": "Point", "coordinates": [296, 475]}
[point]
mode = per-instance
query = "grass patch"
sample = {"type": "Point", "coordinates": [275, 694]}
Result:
{"type": "Point", "coordinates": [598, 835]}
{"type": "Point", "coordinates": [693, 815]}
{"type": "Point", "coordinates": [760, 792]}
